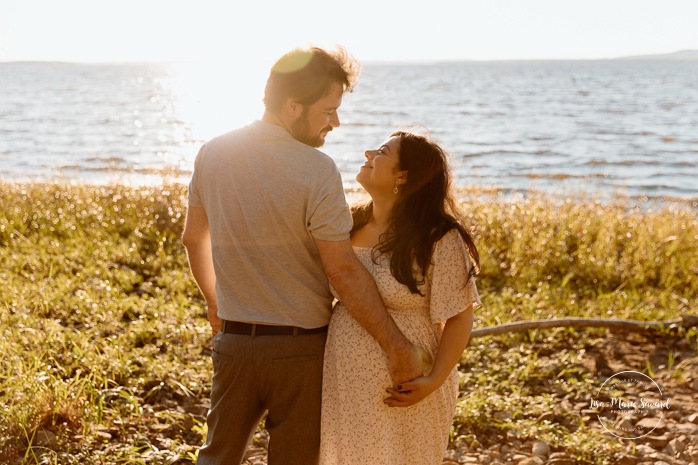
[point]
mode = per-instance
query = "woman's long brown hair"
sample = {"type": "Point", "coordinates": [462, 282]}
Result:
{"type": "Point", "coordinates": [424, 212]}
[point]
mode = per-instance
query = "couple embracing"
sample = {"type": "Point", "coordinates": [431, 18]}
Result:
{"type": "Point", "coordinates": [272, 244]}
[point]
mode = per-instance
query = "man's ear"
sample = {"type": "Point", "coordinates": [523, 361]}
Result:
{"type": "Point", "coordinates": [293, 108]}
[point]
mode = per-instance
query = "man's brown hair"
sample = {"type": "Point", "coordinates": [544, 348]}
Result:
{"type": "Point", "coordinates": [307, 75]}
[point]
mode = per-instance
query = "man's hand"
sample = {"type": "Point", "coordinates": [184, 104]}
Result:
{"type": "Point", "coordinates": [408, 366]}
{"type": "Point", "coordinates": [214, 320]}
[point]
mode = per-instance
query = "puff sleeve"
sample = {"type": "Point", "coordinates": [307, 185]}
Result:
{"type": "Point", "coordinates": [451, 290]}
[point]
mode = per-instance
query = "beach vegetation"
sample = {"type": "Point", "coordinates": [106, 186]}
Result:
{"type": "Point", "coordinates": [105, 345]}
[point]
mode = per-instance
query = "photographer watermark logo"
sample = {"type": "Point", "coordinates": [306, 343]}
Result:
{"type": "Point", "coordinates": [630, 405]}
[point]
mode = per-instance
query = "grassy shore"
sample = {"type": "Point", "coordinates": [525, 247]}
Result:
{"type": "Point", "coordinates": [105, 345]}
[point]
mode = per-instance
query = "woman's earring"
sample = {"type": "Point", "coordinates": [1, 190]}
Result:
{"type": "Point", "coordinates": [395, 189]}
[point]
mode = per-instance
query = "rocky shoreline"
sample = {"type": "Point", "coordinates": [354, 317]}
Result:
{"type": "Point", "coordinates": [674, 440]}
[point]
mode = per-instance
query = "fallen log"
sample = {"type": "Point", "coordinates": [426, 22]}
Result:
{"type": "Point", "coordinates": [686, 321]}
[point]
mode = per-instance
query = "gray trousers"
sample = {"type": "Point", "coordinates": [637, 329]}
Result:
{"type": "Point", "coordinates": [280, 375]}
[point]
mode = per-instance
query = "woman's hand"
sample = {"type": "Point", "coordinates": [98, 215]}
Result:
{"type": "Point", "coordinates": [410, 392]}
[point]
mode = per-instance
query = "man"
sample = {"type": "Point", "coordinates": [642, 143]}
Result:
{"type": "Point", "coordinates": [267, 228]}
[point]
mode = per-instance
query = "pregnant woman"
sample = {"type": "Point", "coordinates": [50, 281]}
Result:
{"type": "Point", "coordinates": [411, 238]}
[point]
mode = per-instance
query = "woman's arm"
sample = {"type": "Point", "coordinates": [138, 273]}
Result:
{"type": "Point", "coordinates": [453, 342]}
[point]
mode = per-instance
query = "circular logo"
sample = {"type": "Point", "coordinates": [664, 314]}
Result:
{"type": "Point", "coordinates": [630, 405]}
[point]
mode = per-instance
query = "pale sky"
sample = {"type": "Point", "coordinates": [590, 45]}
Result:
{"type": "Point", "coordinates": [373, 30]}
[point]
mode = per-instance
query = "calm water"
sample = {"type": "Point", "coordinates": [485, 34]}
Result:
{"type": "Point", "coordinates": [593, 126]}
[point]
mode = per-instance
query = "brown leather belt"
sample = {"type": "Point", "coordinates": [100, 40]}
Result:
{"type": "Point", "coordinates": [249, 329]}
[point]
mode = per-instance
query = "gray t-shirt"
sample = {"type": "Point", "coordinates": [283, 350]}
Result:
{"type": "Point", "coordinates": [266, 196]}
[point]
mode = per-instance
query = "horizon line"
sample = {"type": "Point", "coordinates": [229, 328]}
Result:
{"type": "Point", "coordinates": [692, 53]}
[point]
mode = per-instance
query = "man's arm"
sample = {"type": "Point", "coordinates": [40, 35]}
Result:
{"type": "Point", "coordinates": [197, 240]}
{"type": "Point", "coordinates": [358, 292]}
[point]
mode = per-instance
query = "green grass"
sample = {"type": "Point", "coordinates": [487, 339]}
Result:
{"type": "Point", "coordinates": [104, 340]}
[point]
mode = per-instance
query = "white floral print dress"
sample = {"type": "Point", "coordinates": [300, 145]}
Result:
{"type": "Point", "coordinates": [357, 427]}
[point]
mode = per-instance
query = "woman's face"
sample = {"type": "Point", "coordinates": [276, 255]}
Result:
{"type": "Point", "coordinates": [381, 170]}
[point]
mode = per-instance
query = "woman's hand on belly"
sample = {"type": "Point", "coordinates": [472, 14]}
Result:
{"type": "Point", "coordinates": [411, 392]}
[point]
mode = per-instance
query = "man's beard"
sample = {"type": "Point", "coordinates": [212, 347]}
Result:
{"type": "Point", "coordinates": [301, 131]}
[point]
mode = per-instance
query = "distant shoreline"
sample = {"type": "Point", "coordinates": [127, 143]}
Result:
{"type": "Point", "coordinates": [681, 56]}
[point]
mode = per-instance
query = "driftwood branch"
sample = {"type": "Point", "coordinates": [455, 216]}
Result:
{"type": "Point", "coordinates": [686, 321]}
